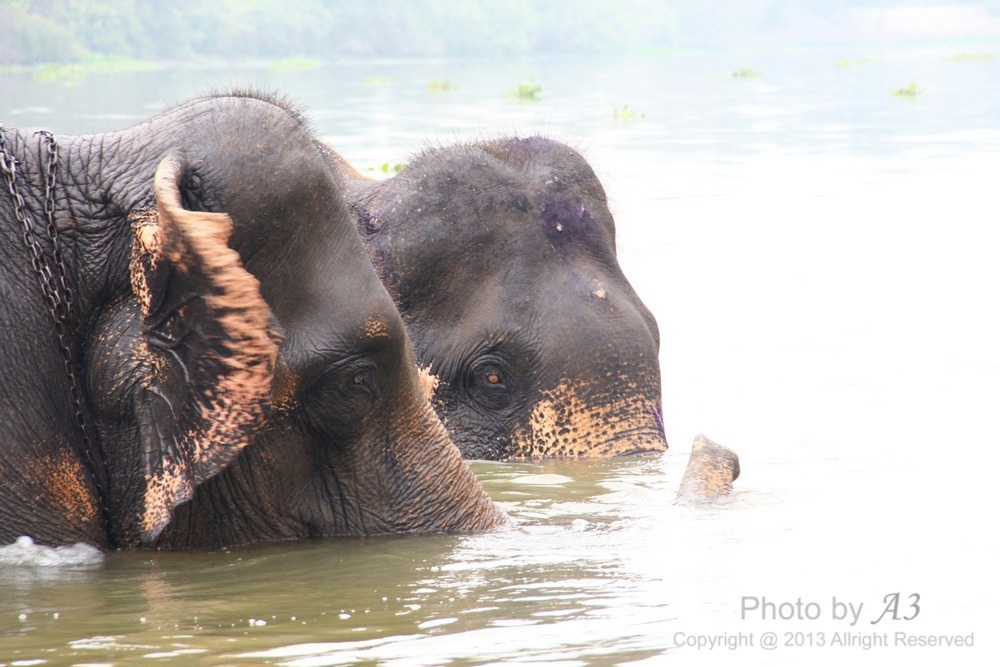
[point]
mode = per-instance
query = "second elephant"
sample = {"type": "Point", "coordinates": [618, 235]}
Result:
{"type": "Point", "coordinates": [501, 258]}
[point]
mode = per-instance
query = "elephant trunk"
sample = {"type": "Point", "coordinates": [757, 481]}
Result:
{"type": "Point", "coordinates": [710, 473]}
{"type": "Point", "coordinates": [413, 479]}
{"type": "Point", "coordinates": [438, 491]}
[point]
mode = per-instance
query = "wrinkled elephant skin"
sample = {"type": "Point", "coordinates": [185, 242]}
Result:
{"type": "Point", "coordinates": [246, 376]}
{"type": "Point", "coordinates": [710, 472]}
{"type": "Point", "coordinates": [501, 258]}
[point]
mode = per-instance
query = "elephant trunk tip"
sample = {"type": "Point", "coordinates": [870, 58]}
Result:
{"type": "Point", "coordinates": [710, 472]}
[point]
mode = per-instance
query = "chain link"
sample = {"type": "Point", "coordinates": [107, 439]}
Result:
{"type": "Point", "coordinates": [62, 312]}
{"type": "Point", "coordinates": [55, 288]}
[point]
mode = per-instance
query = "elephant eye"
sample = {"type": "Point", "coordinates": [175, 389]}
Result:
{"type": "Point", "coordinates": [363, 378]}
{"type": "Point", "coordinates": [338, 401]}
{"type": "Point", "coordinates": [489, 384]}
{"type": "Point", "coordinates": [491, 377]}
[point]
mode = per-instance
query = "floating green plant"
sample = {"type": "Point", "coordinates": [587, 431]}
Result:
{"type": "Point", "coordinates": [746, 73]}
{"type": "Point", "coordinates": [525, 92]}
{"type": "Point", "coordinates": [436, 86]}
{"type": "Point", "coordinates": [964, 57]}
{"type": "Point", "coordinates": [389, 167]}
{"type": "Point", "coordinates": [376, 80]}
{"type": "Point", "coordinates": [624, 114]}
{"type": "Point", "coordinates": [847, 63]}
{"type": "Point", "coordinates": [293, 64]}
{"type": "Point", "coordinates": [911, 91]}
{"type": "Point", "coordinates": [71, 73]}
{"type": "Point", "coordinates": [110, 63]}
{"type": "Point", "coordinates": [68, 73]}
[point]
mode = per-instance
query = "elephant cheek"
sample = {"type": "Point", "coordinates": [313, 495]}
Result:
{"type": "Point", "coordinates": [61, 480]}
{"type": "Point", "coordinates": [577, 420]}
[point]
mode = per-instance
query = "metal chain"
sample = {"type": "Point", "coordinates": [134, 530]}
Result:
{"type": "Point", "coordinates": [62, 287]}
{"type": "Point", "coordinates": [56, 290]}
{"type": "Point", "coordinates": [62, 312]}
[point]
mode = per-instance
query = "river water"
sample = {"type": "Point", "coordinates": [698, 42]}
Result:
{"type": "Point", "coordinates": [820, 255]}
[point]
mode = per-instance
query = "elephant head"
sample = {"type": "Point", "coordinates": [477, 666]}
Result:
{"type": "Point", "coordinates": [247, 376]}
{"type": "Point", "coordinates": [501, 258]}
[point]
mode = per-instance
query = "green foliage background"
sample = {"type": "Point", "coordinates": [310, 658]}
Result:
{"type": "Point", "coordinates": [61, 31]}
{"type": "Point", "coordinates": [40, 31]}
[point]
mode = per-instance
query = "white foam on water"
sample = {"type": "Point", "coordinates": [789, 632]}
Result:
{"type": "Point", "coordinates": [541, 480]}
{"type": "Point", "coordinates": [25, 553]}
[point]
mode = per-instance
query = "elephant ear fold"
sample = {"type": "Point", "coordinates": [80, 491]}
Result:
{"type": "Point", "coordinates": [209, 345]}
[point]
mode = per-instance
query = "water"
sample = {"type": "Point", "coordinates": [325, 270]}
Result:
{"type": "Point", "coordinates": [820, 256]}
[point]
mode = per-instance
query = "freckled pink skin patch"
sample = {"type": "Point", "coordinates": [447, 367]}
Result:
{"type": "Point", "coordinates": [710, 472]}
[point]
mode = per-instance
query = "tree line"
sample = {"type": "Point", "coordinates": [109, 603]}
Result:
{"type": "Point", "coordinates": [43, 31]}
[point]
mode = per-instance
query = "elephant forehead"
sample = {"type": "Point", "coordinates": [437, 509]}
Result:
{"type": "Point", "coordinates": [566, 219]}
{"type": "Point", "coordinates": [514, 273]}
{"type": "Point", "coordinates": [486, 216]}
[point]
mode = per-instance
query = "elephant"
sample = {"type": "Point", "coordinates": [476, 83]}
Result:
{"type": "Point", "coordinates": [501, 258]}
{"type": "Point", "coordinates": [195, 351]}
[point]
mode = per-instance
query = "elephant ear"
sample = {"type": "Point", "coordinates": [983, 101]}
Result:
{"type": "Point", "coordinates": [209, 348]}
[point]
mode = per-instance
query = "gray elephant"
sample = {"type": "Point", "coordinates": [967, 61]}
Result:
{"type": "Point", "coordinates": [195, 350]}
{"type": "Point", "coordinates": [501, 258]}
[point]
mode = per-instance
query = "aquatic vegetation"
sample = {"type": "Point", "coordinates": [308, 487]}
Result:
{"type": "Point", "coordinates": [624, 114]}
{"type": "Point", "coordinates": [111, 63]}
{"type": "Point", "coordinates": [847, 63]}
{"type": "Point", "coordinates": [376, 80]}
{"type": "Point", "coordinates": [389, 167]}
{"type": "Point", "coordinates": [746, 73]}
{"type": "Point", "coordinates": [57, 72]}
{"type": "Point", "coordinates": [436, 86]}
{"type": "Point", "coordinates": [911, 91]}
{"type": "Point", "coordinates": [966, 57]}
{"type": "Point", "coordinates": [293, 64]}
{"type": "Point", "coordinates": [525, 92]}
{"type": "Point", "coordinates": [71, 73]}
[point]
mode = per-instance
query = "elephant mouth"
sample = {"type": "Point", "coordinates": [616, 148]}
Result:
{"type": "Point", "coordinates": [633, 442]}
{"type": "Point", "coordinates": [639, 452]}
{"type": "Point", "coordinates": [648, 441]}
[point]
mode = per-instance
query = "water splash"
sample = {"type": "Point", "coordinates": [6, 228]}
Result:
{"type": "Point", "coordinates": [25, 553]}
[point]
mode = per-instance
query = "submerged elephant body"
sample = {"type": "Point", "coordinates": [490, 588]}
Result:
{"type": "Point", "coordinates": [245, 376]}
{"type": "Point", "coordinates": [501, 258]}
